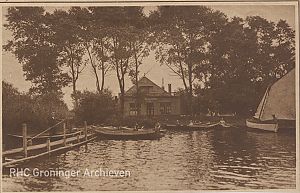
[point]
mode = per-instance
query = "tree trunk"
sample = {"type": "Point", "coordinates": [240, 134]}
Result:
{"type": "Point", "coordinates": [137, 84]}
{"type": "Point", "coordinates": [74, 79]}
{"type": "Point", "coordinates": [102, 66]}
{"type": "Point", "coordinates": [94, 69]}
{"type": "Point", "coordinates": [97, 79]}
{"type": "Point", "coordinates": [75, 94]}
{"type": "Point", "coordinates": [190, 91]}
{"type": "Point", "coordinates": [102, 75]}
{"type": "Point", "coordinates": [119, 76]}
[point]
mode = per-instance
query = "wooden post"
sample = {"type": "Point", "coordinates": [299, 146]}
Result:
{"type": "Point", "coordinates": [48, 146]}
{"type": "Point", "coordinates": [24, 131]}
{"type": "Point", "coordinates": [85, 135]}
{"type": "Point", "coordinates": [65, 139]}
{"type": "Point", "coordinates": [85, 130]}
{"type": "Point", "coordinates": [78, 140]}
{"type": "Point", "coordinates": [29, 142]}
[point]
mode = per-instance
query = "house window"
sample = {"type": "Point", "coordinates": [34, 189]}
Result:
{"type": "Point", "coordinates": [133, 110]}
{"type": "Point", "coordinates": [150, 109]}
{"type": "Point", "coordinates": [165, 108]}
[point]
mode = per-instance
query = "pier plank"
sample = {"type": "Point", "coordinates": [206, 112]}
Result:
{"type": "Point", "coordinates": [41, 146]}
{"type": "Point", "coordinates": [69, 146]}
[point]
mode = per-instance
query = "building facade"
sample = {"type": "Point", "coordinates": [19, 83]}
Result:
{"type": "Point", "coordinates": [153, 99]}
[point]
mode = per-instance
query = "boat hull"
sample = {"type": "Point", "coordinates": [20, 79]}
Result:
{"type": "Point", "coordinates": [173, 127]}
{"type": "Point", "coordinates": [262, 125]}
{"type": "Point", "coordinates": [201, 126]}
{"type": "Point", "coordinates": [194, 127]}
{"type": "Point", "coordinates": [127, 134]}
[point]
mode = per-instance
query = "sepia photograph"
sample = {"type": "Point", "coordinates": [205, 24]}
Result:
{"type": "Point", "coordinates": [150, 96]}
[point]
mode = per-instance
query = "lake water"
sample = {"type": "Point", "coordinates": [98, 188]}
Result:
{"type": "Point", "coordinates": [213, 159]}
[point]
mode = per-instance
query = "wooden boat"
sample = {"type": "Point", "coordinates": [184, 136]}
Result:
{"type": "Point", "coordinates": [174, 126]}
{"type": "Point", "coordinates": [263, 125]}
{"type": "Point", "coordinates": [196, 126]}
{"type": "Point", "coordinates": [226, 125]}
{"type": "Point", "coordinates": [127, 133]}
{"type": "Point", "coordinates": [277, 108]}
{"type": "Point", "coordinates": [223, 124]}
{"type": "Point", "coordinates": [200, 126]}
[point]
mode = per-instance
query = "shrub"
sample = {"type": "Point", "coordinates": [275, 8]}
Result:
{"type": "Point", "coordinates": [18, 108]}
{"type": "Point", "coordinates": [95, 108]}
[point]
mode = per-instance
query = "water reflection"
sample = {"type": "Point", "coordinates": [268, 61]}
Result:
{"type": "Point", "coordinates": [212, 159]}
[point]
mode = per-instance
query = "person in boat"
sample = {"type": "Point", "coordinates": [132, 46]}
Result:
{"type": "Point", "coordinates": [222, 121]}
{"type": "Point", "coordinates": [275, 118]}
{"type": "Point", "coordinates": [191, 122]}
{"type": "Point", "coordinates": [157, 126]}
{"type": "Point", "coordinates": [136, 127]}
{"type": "Point", "coordinates": [198, 122]}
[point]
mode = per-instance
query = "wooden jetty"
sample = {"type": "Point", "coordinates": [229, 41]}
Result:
{"type": "Point", "coordinates": [29, 152]}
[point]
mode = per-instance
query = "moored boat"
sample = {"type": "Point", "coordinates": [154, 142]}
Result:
{"type": "Point", "coordinates": [277, 109]}
{"type": "Point", "coordinates": [200, 126]}
{"type": "Point", "coordinates": [191, 126]}
{"type": "Point", "coordinates": [262, 125]}
{"type": "Point", "coordinates": [127, 133]}
{"type": "Point", "coordinates": [173, 126]}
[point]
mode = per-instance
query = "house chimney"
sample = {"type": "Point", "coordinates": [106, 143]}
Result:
{"type": "Point", "coordinates": [162, 84]}
{"type": "Point", "coordinates": [170, 88]}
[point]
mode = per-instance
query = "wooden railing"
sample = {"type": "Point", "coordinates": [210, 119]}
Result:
{"type": "Point", "coordinates": [52, 127]}
{"type": "Point", "coordinates": [75, 139]}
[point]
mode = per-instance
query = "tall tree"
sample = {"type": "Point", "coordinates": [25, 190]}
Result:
{"type": "Point", "coordinates": [244, 58]}
{"type": "Point", "coordinates": [66, 30]}
{"type": "Point", "coordinates": [183, 39]}
{"type": "Point", "coordinates": [95, 37]}
{"type": "Point", "coordinates": [140, 41]}
{"type": "Point", "coordinates": [118, 23]}
{"type": "Point", "coordinates": [33, 47]}
{"type": "Point", "coordinates": [284, 52]}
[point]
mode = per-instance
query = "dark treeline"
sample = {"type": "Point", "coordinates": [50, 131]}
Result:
{"type": "Point", "coordinates": [35, 111]}
{"type": "Point", "coordinates": [225, 64]}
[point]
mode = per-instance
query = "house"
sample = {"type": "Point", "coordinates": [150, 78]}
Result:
{"type": "Point", "coordinates": [154, 100]}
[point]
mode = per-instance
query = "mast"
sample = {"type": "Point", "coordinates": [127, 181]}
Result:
{"type": "Point", "coordinates": [264, 102]}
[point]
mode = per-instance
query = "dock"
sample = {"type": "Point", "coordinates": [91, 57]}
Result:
{"type": "Point", "coordinates": [29, 152]}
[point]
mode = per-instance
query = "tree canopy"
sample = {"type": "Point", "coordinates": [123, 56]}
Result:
{"type": "Point", "coordinates": [225, 63]}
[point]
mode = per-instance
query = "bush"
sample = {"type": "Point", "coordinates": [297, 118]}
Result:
{"type": "Point", "coordinates": [95, 108]}
{"type": "Point", "coordinates": [18, 108]}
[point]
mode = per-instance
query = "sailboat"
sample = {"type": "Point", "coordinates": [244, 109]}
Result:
{"type": "Point", "coordinates": [277, 109]}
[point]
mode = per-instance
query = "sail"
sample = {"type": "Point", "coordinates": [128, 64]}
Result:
{"type": "Point", "coordinates": [280, 100]}
{"type": "Point", "coordinates": [261, 104]}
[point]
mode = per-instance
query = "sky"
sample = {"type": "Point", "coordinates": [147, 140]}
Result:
{"type": "Point", "coordinates": [12, 70]}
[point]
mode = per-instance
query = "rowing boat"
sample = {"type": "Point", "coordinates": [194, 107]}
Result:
{"type": "Point", "coordinates": [200, 126]}
{"type": "Point", "coordinates": [188, 127]}
{"type": "Point", "coordinates": [173, 126]}
{"type": "Point", "coordinates": [127, 133]}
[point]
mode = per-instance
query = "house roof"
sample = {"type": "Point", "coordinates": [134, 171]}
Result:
{"type": "Point", "coordinates": [145, 82]}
